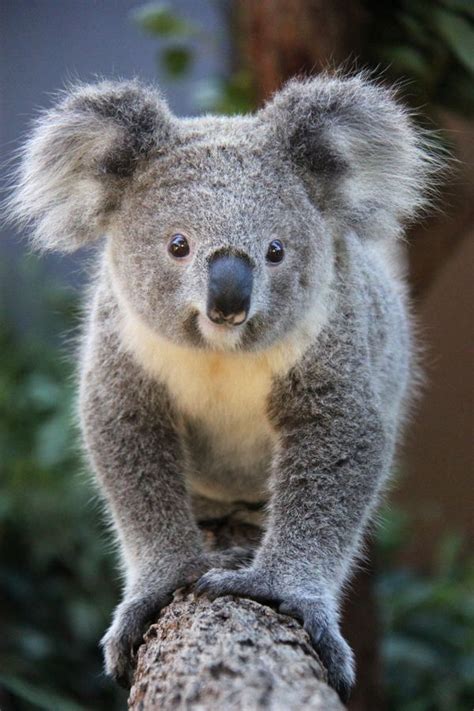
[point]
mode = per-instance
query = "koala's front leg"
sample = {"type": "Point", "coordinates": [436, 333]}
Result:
{"type": "Point", "coordinates": [333, 456]}
{"type": "Point", "coordinates": [137, 454]}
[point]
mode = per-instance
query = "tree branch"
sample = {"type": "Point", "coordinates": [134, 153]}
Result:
{"type": "Point", "coordinates": [230, 654]}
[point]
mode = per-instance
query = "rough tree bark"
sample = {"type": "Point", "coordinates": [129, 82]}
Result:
{"type": "Point", "coordinates": [231, 654]}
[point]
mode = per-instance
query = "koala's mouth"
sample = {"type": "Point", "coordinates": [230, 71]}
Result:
{"type": "Point", "coordinates": [200, 332]}
{"type": "Point", "coordinates": [223, 336]}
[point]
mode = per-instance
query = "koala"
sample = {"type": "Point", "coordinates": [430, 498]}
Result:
{"type": "Point", "coordinates": [247, 341]}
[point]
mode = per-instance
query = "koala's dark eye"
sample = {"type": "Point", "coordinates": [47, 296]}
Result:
{"type": "Point", "coordinates": [275, 252]}
{"type": "Point", "coordinates": [178, 246]}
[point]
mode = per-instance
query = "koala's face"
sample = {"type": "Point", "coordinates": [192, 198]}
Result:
{"type": "Point", "coordinates": [218, 245]}
{"type": "Point", "coordinates": [221, 230]}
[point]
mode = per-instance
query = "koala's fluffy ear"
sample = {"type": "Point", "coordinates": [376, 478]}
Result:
{"type": "Point", "coordinates": [367, 166]}
{"type": "Point", "coordinates": [79, 158]}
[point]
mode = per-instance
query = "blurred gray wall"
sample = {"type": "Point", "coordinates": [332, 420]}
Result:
{"type": "Point", "coordinates": [45, 43]}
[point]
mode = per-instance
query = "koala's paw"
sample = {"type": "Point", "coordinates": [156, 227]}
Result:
{"type": "Point", "coordinates": [120, 643]}
{"type": "Point", "coordinates": [320, 623]}
{"type": "Point", "coordinates": [133, 616]}
{"type": "Point", "coordinates": [330, 645]}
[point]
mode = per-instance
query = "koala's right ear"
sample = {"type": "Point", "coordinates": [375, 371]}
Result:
{"type": "Point", "coordinates": [80, 157]}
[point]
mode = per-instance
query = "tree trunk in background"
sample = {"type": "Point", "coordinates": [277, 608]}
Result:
{"type": "Point", "coordinates": [434, 241]}
{"type": "Point", "coordinates": [231, 654]}
{"type": "Point", "coordinates": [281, 38]}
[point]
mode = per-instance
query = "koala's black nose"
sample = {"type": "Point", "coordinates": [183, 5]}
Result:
{"type": "Point", "coordinates": [230, 289]}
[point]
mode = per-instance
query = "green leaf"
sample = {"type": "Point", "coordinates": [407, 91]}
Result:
{"type": "Point", "coordinates": [42, 390]}
{"type": "Point", "coordinates": [176, 60]}
{"type": "Point", "coordinates": [158, 19]}
{"type": "Point", "coordinates": [233, 95]}
{"type": "Point", "coordinates": [465, 6]}
{"type": "Point", "coordinates": [52, 441]}
{"type": "Point", "coordinates": [458, 34]}
{"type": "Point", "coordinates": [39, 698]}
{"type": "Point", "coordinates": [408, 60]}
{"type": "Point", "coordinates": [404, 651]}
{"type": "Point", "coordinates": [415, 29]}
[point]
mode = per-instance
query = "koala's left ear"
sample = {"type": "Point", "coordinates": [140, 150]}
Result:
{"type": "Point", "coordinates": [79, 158]}
{"type": "Point", "coordinates": [367, 166]}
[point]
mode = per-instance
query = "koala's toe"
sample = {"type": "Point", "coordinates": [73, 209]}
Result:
{"type": "Point", "coordinates": [120, 644]}
{"type": "Point", "coordinates": [118, 658]}
{"type": "Point", "coordinates": [215, 583]}
{"type": "Point", "coordinates": [298, 612]}
{"type": "Point", "coordinates": [337, 658]}
{"type": "Point", "coordinates": [332, 649]}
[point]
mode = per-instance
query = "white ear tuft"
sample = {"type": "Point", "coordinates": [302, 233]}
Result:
{"type": "Point", "coordinates": [366, 163]}
{"type": "Point", "coordinates": [79, 157]}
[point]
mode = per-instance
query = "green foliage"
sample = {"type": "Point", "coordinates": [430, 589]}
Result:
{"type": "Point", "coordinates": [428, 643]}
{"type": "Point", "coordinates": [233, 95]}
{"type": "Point", "coordinates": [57, 582]}
{"type": "Point", "coordinates": [180, 42]}
{"type": "Point", "coordinates": [176, 60]}
{"type": "Point", "coordinates": [430, 42]}
{"type": "Point", "coordinates": [159, 20]}
{"type": "Point", "coordinates": [176, 52]}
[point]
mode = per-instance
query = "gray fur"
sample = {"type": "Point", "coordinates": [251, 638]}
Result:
{"type": "Point", "coordinates": [177, 420]}
{"type": "Point", "coordinates": [72, 169]}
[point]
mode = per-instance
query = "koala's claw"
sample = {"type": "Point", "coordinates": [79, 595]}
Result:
{"type": "Point", "coordinates": [337, 658]}
{"type": "Point", "coordinates": [120, 643]}
{"type": "Point", "coordinates": [332, 649]}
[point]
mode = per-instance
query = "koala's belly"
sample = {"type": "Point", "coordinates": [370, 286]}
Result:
{"type": "Point", "coordinates": [230, 454]}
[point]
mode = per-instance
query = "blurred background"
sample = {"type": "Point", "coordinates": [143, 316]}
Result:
{"type": "Point", "coordinates": [410, 612]}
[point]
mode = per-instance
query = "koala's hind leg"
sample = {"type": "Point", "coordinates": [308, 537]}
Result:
{"type": "Point", "coordinates": [231, 530]}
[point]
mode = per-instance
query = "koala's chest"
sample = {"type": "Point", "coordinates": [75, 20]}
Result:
{"type": "Point", "coordinates": [223, 402]}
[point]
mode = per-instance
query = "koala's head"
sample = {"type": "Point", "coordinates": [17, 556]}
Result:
{"type": "Point", "coordinates": [221, 232]}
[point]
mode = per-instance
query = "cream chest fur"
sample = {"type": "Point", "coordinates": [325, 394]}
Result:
{"type": "Point", "coordinates": [225, 394]}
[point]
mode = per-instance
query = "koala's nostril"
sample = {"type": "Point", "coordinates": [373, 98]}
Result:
{"type": "Point", "coordinates": [240, 317]}
{"type": "Point", "coordinates": [230, 289]}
